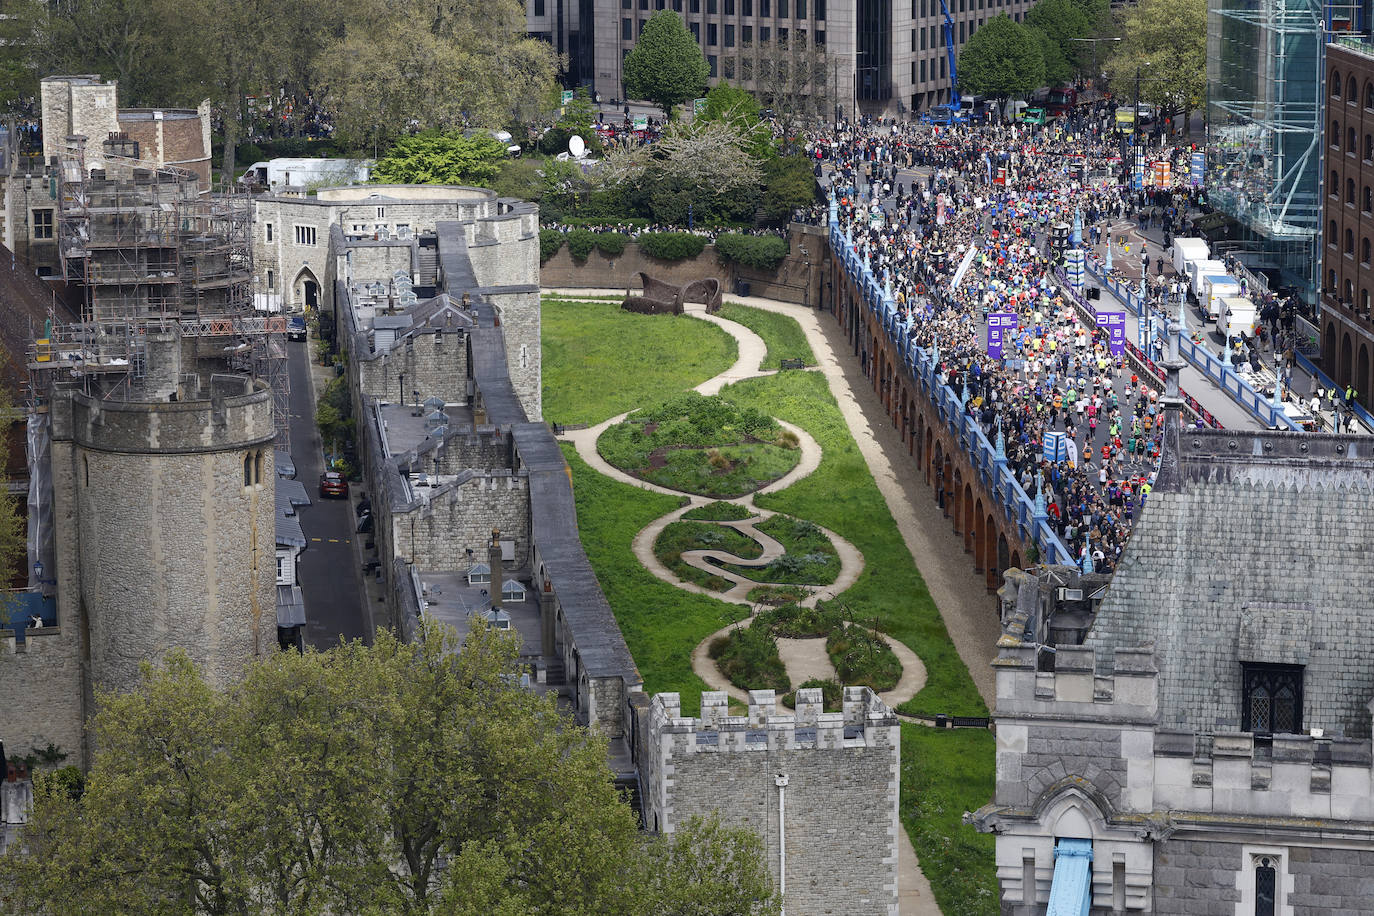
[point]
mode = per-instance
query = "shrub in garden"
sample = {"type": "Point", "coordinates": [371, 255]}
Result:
{"type": "Point", "coordinates": [671, 246]}
{"type": "Point", "coordinates": [764, 252]}
{"type": "Point", "coordinates": [612, 244]}
{"type": "Point", "coordinates": [748, 657]}
{"type": "Point", "coordinates": [580, 243]}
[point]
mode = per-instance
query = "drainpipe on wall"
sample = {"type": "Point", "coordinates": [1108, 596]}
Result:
{"type": "Point", "coordinates": [781, 782]}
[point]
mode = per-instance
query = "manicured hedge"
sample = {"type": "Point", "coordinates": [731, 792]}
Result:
{"type": "Point", "coordinates": [550, 240]}
{"type": "Point", "coordinates": [671, 246]}
{"type": "Point", "coordinates": [580, 243]}
{"type": "Point", "coordinates": [762, 251]}
{"type": "Point", "coordinates": [612, 244]}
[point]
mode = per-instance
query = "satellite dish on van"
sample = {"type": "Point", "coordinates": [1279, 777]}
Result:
{"type": "Point", "coordinates": [577, 146]}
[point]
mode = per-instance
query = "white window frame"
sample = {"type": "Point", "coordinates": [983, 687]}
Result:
{"type": "Point", "coordinates": [305, 236]}
{"type": "Point", "coordinates": [1245, 880]}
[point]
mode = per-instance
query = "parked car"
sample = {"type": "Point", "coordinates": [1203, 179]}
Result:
{"type": "Point", "coordinates": [295, 328]}
{"type": "Point", "coordinates": [333, 485]}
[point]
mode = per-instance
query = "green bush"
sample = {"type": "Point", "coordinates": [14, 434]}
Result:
{"type": "Point", "coordinates": [550, 240]}
{"type": "Point", "coordinates": [764, 252]}
{"type": "Point", "coordinates": [671, 246]}
{"type": "Point", "coordinates": [863, 657]}
{"type": "Point", "coordinates": [580, 243]}
{"type": "Point", "coordinates": [612, 244]}
{"type": "Point", "coordinates": [749, 659]}
{"type": "Point", "coordinates": [796, 622]}
{"type": "Point", "coordinates": [832, 694]}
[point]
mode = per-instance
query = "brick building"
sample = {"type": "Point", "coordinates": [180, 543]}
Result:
{"type": "Point", "coordinates": [1207, 746]}
{"type": "Point", "coordinates": [1347, 321]}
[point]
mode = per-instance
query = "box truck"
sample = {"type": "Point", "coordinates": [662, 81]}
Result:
{"type": "Point", "coordinates": [1185, 250]}
{"type": "Point", "coordinates": [1214, 289]}
{"type": "Point", "coordinates": [1236, 317]}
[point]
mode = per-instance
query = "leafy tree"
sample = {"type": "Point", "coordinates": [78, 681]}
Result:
{"type": "Point", "coordinates": [790, 184]}
{"type": "Point", "coordinates": [666, 66]}
{"type": "Point", "coordinates": [1063, 21]}
{"type": "Point", "coordinates": [1166, 42]}
{"type": "Point", "coordinates": [441, 158]}
{"type": "Point", "coordinates": [1003, 58]}
{"type": "Point", "coordinates": [726, 104]}
{"type": "Point", "coordinates": [1057, 67]}
{"type": "Point", "coordinates": [407, 778]}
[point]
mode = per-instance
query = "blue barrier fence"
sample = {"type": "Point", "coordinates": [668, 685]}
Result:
{"type": "Point", "coordinates": [1027, 515]}
{"type": "Point", "coordinates": [1254, 403]}
{"type": "Point", "coordinates": [1311, 369]}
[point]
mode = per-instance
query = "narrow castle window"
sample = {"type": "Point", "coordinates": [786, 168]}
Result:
{"type": "Point", "coordinates": [524, 356]}
{"type": "Point", "coordinates": [248, 469]}
{"type": "Point", "coordinates": [86, 467]}
{"type": "Point", "coordinates": [1266, 887]}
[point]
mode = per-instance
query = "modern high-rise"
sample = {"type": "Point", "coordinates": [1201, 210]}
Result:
{"type": "Point", "coordinates": [872, 56]}
{"type": "Point", "coordinates": [1264, 109]}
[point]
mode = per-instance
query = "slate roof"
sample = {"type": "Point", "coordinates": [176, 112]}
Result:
{"type": "Point", "coordinates": [1261, 551]}
{"type": "Point", "coordinates": [553, 521]}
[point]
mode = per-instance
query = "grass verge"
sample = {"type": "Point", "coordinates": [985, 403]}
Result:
{"type": "Point", "coordinates": [946, 772]}
{"type": "Point", "coordinates": [599, 361]}
{"type": "Point", "coordinates": [782, 335]}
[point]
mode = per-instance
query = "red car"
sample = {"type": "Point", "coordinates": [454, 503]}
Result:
{"type": "Point", "coordinates": [333, 484]}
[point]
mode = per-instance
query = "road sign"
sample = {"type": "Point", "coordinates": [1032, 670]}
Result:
{"type": "Point", "coordinates": [698, 107]}
{"type": "Point", "coordinates": [567, 96]}
{"type": "Point", "coordinates": [641, 122]}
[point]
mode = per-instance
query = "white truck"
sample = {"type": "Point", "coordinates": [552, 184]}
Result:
{"type": "Point", "coordinates": [1196, 270]}
{"type": "Point", "coordinates": [1236, 317]}
{"type": "Point", "coordinates": [1215, 288]}
{"type": "Point", "coordinates": [1188, 249]}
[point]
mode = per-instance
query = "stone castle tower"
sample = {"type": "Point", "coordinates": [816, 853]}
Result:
{"type": "Point", "coordinates": [161, 536]}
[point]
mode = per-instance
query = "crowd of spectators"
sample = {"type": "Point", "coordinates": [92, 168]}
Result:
{"type": "Point", "coordinates": [997, 190]}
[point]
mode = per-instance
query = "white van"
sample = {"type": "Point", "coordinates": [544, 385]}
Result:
{"type": "Point", "coordinates": [1214, 289]}
{"type": "Point", "coordinates": [1196, 270]}
{"type": "Point", "coordinates": [1236, 318]}
{"type": "Point", "coordinates": [1185, 250]}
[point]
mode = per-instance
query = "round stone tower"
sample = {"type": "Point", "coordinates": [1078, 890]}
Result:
{"type": "Point", "coordinates": [165, 527]}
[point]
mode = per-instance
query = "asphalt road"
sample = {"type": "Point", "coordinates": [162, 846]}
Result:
{"type": "Point", "coordinates": [328, 569]}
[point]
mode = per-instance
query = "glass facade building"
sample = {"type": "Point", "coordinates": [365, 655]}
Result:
{"type": "Point", "coordinates": [1265, 99]}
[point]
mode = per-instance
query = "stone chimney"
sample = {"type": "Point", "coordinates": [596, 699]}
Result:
{"type": "Point", "coordinates": [498, 569]}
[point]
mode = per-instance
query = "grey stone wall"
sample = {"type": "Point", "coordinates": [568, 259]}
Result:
{"type": "Point", "coordinates": [1056, 752]}
{"type": "Point", "coordinates": [44, 685]}
{"type": "Point", "coordinates": [520, 324]}
{"type": "Point", "coordinates": [460, 516]}
{"type": "Point", "coordinates": [1327, 880]}
{"type": "Point", "coordinates": [434, 364]}
{"type": "Point", "coordinates": [1196, 877]}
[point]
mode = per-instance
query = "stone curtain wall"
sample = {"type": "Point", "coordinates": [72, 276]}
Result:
{"type": "Point", "coordinates": [787, 283]}
{"type": "Point", "coordinates": [433, 364]}
{"type": "Point", "coordinates": [461, 516]}
{"type": "Point", "coordinates": [520, 322]}
{"type": "Point", "coordinates": [47, 674]}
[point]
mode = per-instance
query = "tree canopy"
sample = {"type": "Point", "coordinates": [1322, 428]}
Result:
{"type": "Point", "coordinates": [441, 158]}
{"type": "Point", "coordinates": [666, 66]}
{"type": "Point", "coordinates": [1062, 22]}
{"type": "Point", "coordinates": [1003, 58]}
{"type": "Point", "coordinates": [1166, 42]}
{"type": "Point", "coordinates": [402, 778]}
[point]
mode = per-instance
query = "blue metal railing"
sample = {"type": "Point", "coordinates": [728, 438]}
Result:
{"type": "Point", "coordinates": [1311, 369]}
{"type": "Point", "coordinates": [1013, 502]}
{"type": "Point", "coordinates": [1240, 391]}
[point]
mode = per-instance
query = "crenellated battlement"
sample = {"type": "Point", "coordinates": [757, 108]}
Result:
{"type": "Point", "coordinates": [1126, 692]}
{"type": "Point", "coordinates": [865, 721]}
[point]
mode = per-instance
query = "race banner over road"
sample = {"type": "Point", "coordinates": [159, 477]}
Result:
{"type": "Point", "coordinates": [1115, 323]}
{"type": "Point", "coordinates": [999, 324]}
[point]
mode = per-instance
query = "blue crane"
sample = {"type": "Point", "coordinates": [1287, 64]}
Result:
{"type": "Point", "coordinates": [955, 100]}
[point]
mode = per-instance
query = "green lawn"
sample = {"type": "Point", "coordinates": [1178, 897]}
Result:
{"type": "Point", "coordinates": [946, 772]}
{"type": "Point", "coordinates": [842, 496]}
{"type": "Point", "coordinates": [784, 337]}
{"type": "Point", "coordinates": [600, 361]}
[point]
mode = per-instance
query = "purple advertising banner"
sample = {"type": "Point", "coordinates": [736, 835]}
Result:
{"type": "Point", "coordinates": [1115, 323]}
{"type": "Point", "coordinates": [1000, 326]}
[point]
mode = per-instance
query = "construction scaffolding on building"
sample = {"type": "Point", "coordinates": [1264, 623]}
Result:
{"type": "Point", "coordinates": [152, 253]}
